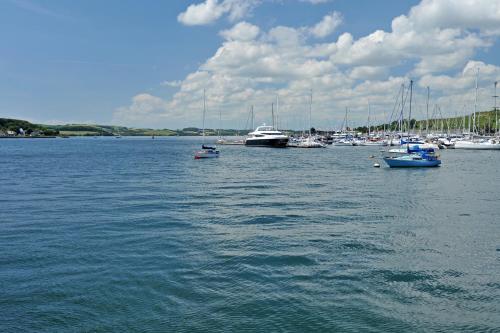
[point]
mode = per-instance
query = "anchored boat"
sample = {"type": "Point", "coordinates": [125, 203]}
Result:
{"type": "Point", "coordinates": [423, 159]}
{"type": "Point", "coordinates": [266, 136]}
{"type": "Point", "coordinates": [206, 151]}
{"type": "Point", "coordinates": [414, 156]}
{"type": "Point", "coordinates": [491, 144]}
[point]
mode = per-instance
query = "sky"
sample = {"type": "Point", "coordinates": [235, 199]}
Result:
{"type": "Point", "coordinates": [147, 63]}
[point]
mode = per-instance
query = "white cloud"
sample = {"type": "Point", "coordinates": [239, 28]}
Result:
{"type": "Point", "coordinates": [251, 66]}
{"type": "Point", "coordinates": [315, 2]}
{"type": "Point", "coordinates": [464, 79]}
{"type": "Point", "coordinates": [203, 13]}
{"type": "Point", "coordinates": [327, 25]}
{"type": "Point", "coordinates": [210, 11]}
{"type": "Point", "coordinates": [440, 34]}
{"type": "Point", "coordinates": [286, 36]}
{"type": "Point", "coordinates": [369, 72]}
{"type": "Point", "coordinates": [145, 110]}
{"type": "Point", "coordinates": [173, 84]}
{"type": "Point", "coordinates": [468, 14]}
{"type": "Point", "coordinates": [457, 92]}
{"type": "Point", "coordinates": [242, 31]}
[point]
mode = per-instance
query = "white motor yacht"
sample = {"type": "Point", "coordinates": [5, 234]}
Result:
{"type": "Point", "coordinates": [266, 136]}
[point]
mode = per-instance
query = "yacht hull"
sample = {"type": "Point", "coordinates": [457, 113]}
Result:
{"type": "Point", "coordinates": [404, 163]}
{"type": "Point", "coordinates": [274, 143]}
{"type": "Point", "coordinates": [206, 153]}
{"type": "Point", "coordinates": [476, 146]}
{"type": "Point", "coordinates": [370, 143]}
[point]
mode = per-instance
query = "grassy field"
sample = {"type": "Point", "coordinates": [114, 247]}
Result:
{"type": "Point", "coordinates": [79, 133]}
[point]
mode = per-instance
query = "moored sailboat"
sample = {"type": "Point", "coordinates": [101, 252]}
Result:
{"type": "Point", "coordinates": [310, 141]}
{"type": "Point", "coordinates": [474, 142]}
{"type": "Point", "coordinates": [413, 158]}
{"type": "Point", "coordinates": [205, 151]}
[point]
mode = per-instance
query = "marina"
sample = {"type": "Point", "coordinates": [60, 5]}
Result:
{"type": "Point", "coordinates": [249, 166]}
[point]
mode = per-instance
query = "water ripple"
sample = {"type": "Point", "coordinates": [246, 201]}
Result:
{"type": "Point", "coordinates": [134, 235]}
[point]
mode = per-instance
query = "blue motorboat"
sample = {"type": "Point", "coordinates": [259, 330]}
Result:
{"type": "Point", "coordinates": [413, 160]}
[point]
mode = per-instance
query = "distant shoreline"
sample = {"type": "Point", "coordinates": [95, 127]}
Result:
{"type": "Point", "coordinates": [27, 137]}
{"type": "Point", "coordinates": [109, 136]}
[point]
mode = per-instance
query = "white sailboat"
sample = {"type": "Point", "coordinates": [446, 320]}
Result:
{"type": "Point", "coordinates": [343, 139]}
{"type": "Point", "coordinates": [205, 151]}
{"type": "Point", "coordinates": [478, 143]}
{"type": "Point", "coordinates": [481, 144]}
{"type": "Point", "coordinates": [370, 140]}
{"type": "Point", "coordinates": [310, 141]}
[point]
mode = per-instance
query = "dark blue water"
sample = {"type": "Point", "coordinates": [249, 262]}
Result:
{"type": "Point", "coordinates": [134, 235]}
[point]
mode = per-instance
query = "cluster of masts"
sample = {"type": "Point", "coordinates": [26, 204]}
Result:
{"type": "Point", "coordinates": [414, 144]}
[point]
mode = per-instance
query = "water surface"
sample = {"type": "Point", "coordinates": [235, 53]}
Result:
{"type": "Point", "coordinates": [133, 234]}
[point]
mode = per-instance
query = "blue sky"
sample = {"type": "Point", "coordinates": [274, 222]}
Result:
{"type": "Point", "coordinates": [137, 64]}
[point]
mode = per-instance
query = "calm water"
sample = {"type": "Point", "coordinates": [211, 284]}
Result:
{"type": "Point", "coordinates": [134, 235]}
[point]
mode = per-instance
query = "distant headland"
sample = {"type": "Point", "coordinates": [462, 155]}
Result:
{"type": "Point", "coordinates": [15, 128]}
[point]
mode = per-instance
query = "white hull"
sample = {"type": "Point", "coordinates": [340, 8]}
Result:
{"type": "Point", "coordinates": [495, 145]}
{"type": "Point", "coordinates": [424, 146]}
{"type": "Point", "coordinates": [371, 143]}
{"type": "Point", "coordinates": [310, 145]}
{"type": "Point", "coordinates": [398, 151]}
{"type": "Point", "coordinates": [393, 142]}
{"type": "Point", "coordinates": [342, 144]}
{"type": "Point", "coordinates": [307, 143]}
{"type": "Point", "coordinates": [206, 153]}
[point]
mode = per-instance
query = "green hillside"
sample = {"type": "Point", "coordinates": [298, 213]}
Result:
{"type": "Point", "coordinates": [485, 124]}
{"type": "Point", "coordinates": [15, 125]}
{"type": "Point", "coordinates": [101, 130]}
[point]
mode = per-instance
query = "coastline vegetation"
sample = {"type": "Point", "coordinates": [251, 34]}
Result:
{"type": "Point", "coordinates": [12, 127]}
{"type": "Point", "coordinates": [486, 123]}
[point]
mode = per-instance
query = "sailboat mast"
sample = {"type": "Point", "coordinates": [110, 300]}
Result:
{"type": "Point", "coordinates": [272, 112]}
{"type": "Point", "coordinates": [251, 117]}
{"type": "Point", "coordinates": [310, 111]}
{"type": "Point", "coordinates": [277, 109]}
{"type": "Point", "coordinates": [385, 119]}
{"type": "Point", "coordinates": [427, 119]}
{"type": "Point", "coordinates": [409, 113]}
{"type": "Point", "coordinates": [204, 111]}
{"type": "Point", "coordinates": [475, 104]}
{"type": "Point", "coordinates": [495, 107]}
{"type": "Point", "coordinates": [345, 119]}
{"type": "Point", "coordinates": [369, 119]}
{"type": "Point", "coordinates": [220, 123]}
{"type": "Point", "coordinates": [402, 109]}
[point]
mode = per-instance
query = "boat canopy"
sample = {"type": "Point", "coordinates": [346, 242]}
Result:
{"type": "Point", "coordinates": [265, 128]}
